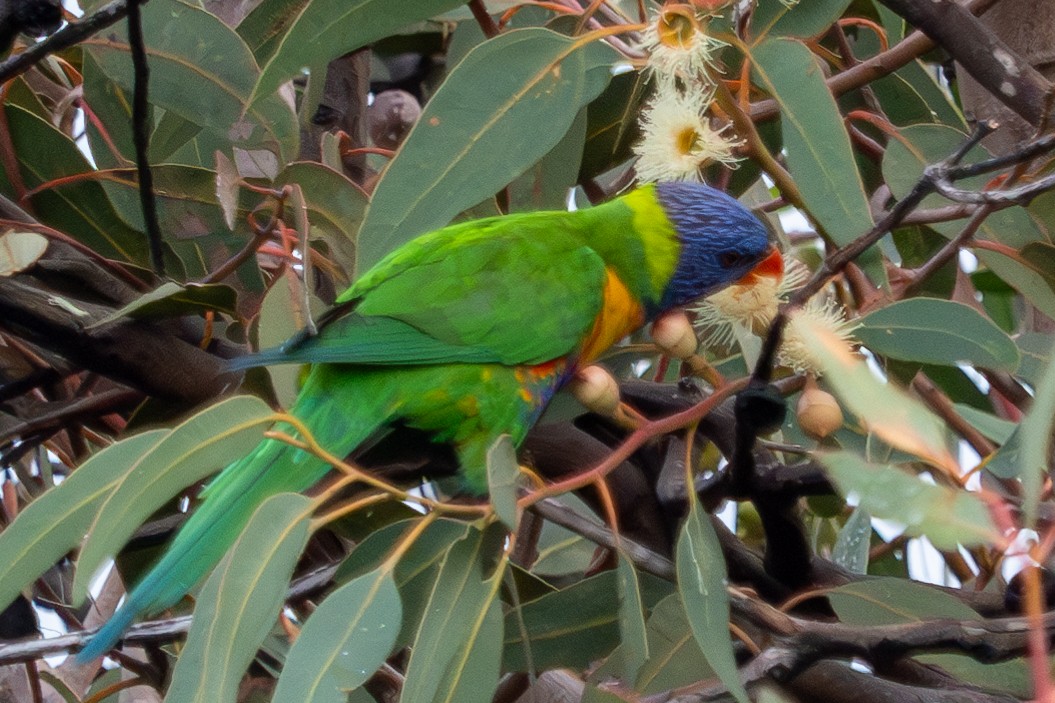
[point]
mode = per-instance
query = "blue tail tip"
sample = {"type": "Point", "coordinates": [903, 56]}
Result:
{"type": "Point", "coordinates": [106, 638]}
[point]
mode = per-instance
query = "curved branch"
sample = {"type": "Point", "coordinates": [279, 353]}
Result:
{"type": "Point", "coordinates": [66, 37]}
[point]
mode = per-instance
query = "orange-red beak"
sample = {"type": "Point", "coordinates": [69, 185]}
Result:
{"type": "Point", "coordinates": [770, 267]}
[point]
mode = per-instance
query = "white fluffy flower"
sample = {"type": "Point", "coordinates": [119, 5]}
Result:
{"type": "Point", "coordinates": [677, 139]}
{"type": "Point", "coordinates": [825, 313]}
{"type": "Point", "coordinates": [677, 44]}
{"type": "Point", "coordinates": [751, 307]}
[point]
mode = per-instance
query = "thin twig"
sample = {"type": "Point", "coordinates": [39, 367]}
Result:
{"type": "Point", "coordinates": [71, 34]}
{"type": "Point", "coordinates": [949, 251]}
{"type": "Point", "coordinates": [141, 138]}
{"type": "Point", "coordinates": [907, 50]}
{"type": "Point", "coordinates": [1021, 195]}
{"type": "Point", "coordinates": [487, 24]}
{"type": "Point", "coordinates": [91, 406]}
{"type": "Point", "coordinates": [837, 260]}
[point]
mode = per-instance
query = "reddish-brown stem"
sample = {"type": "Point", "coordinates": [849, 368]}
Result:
{"type": "Point", "coordinates": [387, 153]}
{"type": "Point", "coordinates": [97, 123]}
{"type": "Point", "coordinates": [884, 43]}
{"type": "Point", "coordinates": [7, 151]}
{"type": "Point", "coordinates": [551, 6]}
{"type": "Point", "coordinates": [490, 29]}
{"type": "Point", "coordinates": [74, 178]}
{"type": "Point", "coordinates": [587, 14]}
{"type": "Point", "coordinates": [641, 435]}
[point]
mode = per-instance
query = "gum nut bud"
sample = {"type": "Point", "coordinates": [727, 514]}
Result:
{"type": "Point", "coordinates": [391, 116]}
{"type": "Point", "coordinates": [819, 413]}
{"type": "Point", "coordinates": [674, 336]}
{"type": "Point", "coordinates": [596, 390]}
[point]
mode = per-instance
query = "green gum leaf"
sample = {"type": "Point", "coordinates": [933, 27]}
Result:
{"type": "Point", "coordinates": [240, 602]}
{"type": "Point", "coordinates": [515, 82]}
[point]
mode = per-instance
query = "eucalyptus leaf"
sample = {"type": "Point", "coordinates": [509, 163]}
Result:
{"type": "Point", "coordinates": [701, 582]}
{"type": "Point", "coordinates": [852, 544]}
{"type": "Point", "coordinates": [503, 472]}
{"type": "Point", "coordinates": [632, 629]}
{"type": "Point", "coordinates": [888, 601]}
{"type": "Point", "coordinates": [266, 25]}
{"type": "Point", "coordinates": [325, 29]}
{"type": "Point", "coordinates": [55, 523]}
{"type": "Point", "coordinates": [936, 331]}
{"type": "Point", "coordinates": [77, 207]}
{"type": "Point", "coordinates": [240, 602]}
{"type": "Point", "coordinates": [336, 207]}
{"type": "Point", "coordinates": [1034, 435]}
{"type": "Point", "coordinates": [20, 250]}
{"type": "Point", "coordinates": [343, 643]}
{"type": "Point", "coordinates": [201, 70]}
{"type": "Point", "coordinates": [949, 517]}
{"type": "Point", "coordinates": [570, 627]}
{"type": "Point", "coordinates": [458, 631]}
{"type": "Point", "coordinates": [818, 148]}
{"type": "Point", "coordinates": [804, 20]}
{"type": "Point", "coordinates": [196, 448]}
{"type": "Point", "coordinates": [675, 659]}
{"type": "Point", "coordinates": [172, 299]}
{"type": "Point", "coordinates": [514, 82]}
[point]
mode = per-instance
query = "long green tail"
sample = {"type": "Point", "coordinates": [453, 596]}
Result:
{"type": "Point", "coordinates": [339, 423]}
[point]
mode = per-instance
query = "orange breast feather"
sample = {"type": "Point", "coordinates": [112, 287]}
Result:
{"type": "Point", "coordinates": [620, 315]}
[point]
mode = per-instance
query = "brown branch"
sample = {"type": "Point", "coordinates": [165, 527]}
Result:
{"type": "Point", "coordinates": [990, 61]}
{"type": "Point", "coordinates": [91, 406]}
{"type": "Point", "coordinates": [154, 631]}
{"type": "Point", "coordinates": [644, 559]}
{"type": "Point", "coordinates": [71, 34]}
{"type": "Point", "coordinates": [949, 251]}
{"type": "Point", "coordinates": [810, 641]}
{"type": "Point", "coordinates": [883, 64]}
{"type": "Point", "coordinates": [835, 682]}
{"type": "Point", "coordinates": [487, 25]}
{"type": "Point", "coordinates": [155, 358]}
{"type": "Point", "coordinates": [1021, 195]}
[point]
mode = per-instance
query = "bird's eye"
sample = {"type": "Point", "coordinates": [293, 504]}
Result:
{"type": "Point", "coordinates": [729, 259]}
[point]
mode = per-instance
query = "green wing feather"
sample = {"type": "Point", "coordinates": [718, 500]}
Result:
{"type": "Point", "coordinates": [469, 293]}
{"type": "Point", "coordinates": [373, 340]}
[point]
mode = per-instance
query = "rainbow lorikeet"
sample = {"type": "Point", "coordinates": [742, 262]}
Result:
{"type": "Point", "coordinates": [466, 333]}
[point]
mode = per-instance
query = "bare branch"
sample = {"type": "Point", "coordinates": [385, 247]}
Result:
{"type": "Point", "coordinates": [985, 56]}
{"type": "Point", "coordinates": [66, 37]}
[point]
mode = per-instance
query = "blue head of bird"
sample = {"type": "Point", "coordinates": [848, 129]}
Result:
{"type": "Point", "coordinates": [722, 242]}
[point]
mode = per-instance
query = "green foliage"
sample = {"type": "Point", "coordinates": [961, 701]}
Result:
{"type": "Point", "coordinates": [239, 602]}
{"type": "Point", "coordinates": [344, 642]}
{"type": "Point", "coordinates": [193, 450]}
{"type": "Point", "coordinates": [937, 332]}
{"type": "Point", "coordinates": [701, 575]}
{"type": "Point", "coordinates": [448, 164]}
{"type": "Point", "coordinates": [264, 222]}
